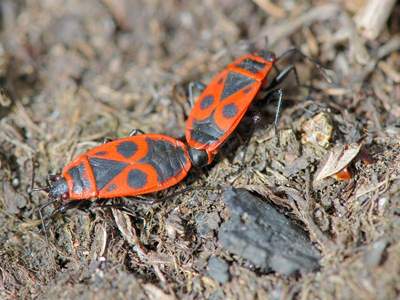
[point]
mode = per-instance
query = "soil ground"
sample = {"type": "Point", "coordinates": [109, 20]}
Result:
{"type": "Point", "coordinates": [75, 72]}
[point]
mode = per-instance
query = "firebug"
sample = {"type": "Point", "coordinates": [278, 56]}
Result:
{"type": "Point", "coordinates": [225, 100]}
{"type": "Point", "coordinates": [125, 167]}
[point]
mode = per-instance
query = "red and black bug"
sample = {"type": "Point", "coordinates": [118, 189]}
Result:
{"type": "Point", "coordinates": [225, 100]}
{"type": "Point", "coordinates": [125, 167]}
{"type": "Point", "coordinates": [148, 163]}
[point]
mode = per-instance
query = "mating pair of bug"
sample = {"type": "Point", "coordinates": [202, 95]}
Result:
{"type": "Point", "coordinates": [146, 163]}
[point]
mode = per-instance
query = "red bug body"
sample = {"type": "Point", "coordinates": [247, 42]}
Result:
{"type": "Point", "coordinates": [129, 166]}
{"type": "Point", "coordinates": [223, 103]}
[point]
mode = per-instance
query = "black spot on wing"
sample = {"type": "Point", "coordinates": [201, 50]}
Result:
{"type": "Point", "coordinates": [206, 131]}
{"type": "Point", "coordinates": [251, 65]}
{"type": "Point", "coordinates": [206, 102]}
{"type": "Point", "coordinates": [105, 170]}
{"type": "Point", "coordinates": [127, 149]}
{"type": "Point", "coordinates": [80, 181]}
{"type": "Point", "coordinates": [137, 179]}
{"type": "Point", "coordinates": [229, 110]}
{"type": "Point", "coordinates": [166, 158]}
{"type": "Point", "coordinates": [235, 82]}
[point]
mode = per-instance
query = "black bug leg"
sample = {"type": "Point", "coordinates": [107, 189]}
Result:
{"type": "Point", "coordinates": [133, 132]}
{"type": "Point", "coordinates": [276, 95]}
{"type": "Point", "coordinates": [61, 209]}
{"type": "Point", "coordinates": [107, 140]}
{"type": "Point", "coordinates": [320, 68]}
{"type": "Point", "coordinates": [136, 131]}
{"type": "Point", "coordinates": [83, 205]}
{"type": "Point", "coordinates": [282, 75]}
{"type": "Point", "coordinates": [297, 51]}
{"type": "Point", "coordinates": [256, 118]}
{"type": "Point", "coordinates": [194, 85]}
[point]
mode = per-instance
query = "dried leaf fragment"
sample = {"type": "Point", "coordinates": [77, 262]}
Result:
{"type": "Point", "coordinates": [125, 227]}
{"type": "Point", "coordinates": [338, 159]}
{"type": "Point", "coordinates": [318, 130]}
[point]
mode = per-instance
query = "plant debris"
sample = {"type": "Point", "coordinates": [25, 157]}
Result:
{"type": "Point", "coordinates": [337, 161]}
{"type": "Point", "coordinates": [74, 73]}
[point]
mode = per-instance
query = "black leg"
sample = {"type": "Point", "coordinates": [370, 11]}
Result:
{"type": "Point", "coordinates": [276, 95]}
{"type": "Point", "coordinates": [281, 76]}
{"type": "Point", "coordinates": [62, 209]}
{"type": "Point", "coordinates": [135, 131]}
{"type": "Point", "coordinates": [42, 219]}
{"type": "Point", "coordinates": [319, 67]}
{"type": "Point", "coordinates": [293, 51]}
{"type": "Point", "coordinates": [256, 117]}
{"type": "Point", "coordinates": [195, 85]}
{"type": "Point", "coordinates": [72, 204]}
{"type": "Point", "coordinates": [276, 68]}
{"type": "Point", "coordinates": [107, 140]}
{"type": "Point", "coordinates": [272, 96]}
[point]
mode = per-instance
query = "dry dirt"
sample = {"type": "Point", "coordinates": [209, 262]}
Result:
{"type": "Point", "coordinates": [73, 73]}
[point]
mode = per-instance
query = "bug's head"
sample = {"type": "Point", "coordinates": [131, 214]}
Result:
{"type": "Point", "coordinates": [58, 188]}
{"type": "Point", "coordinates": [265, 54]}
{"type": "Point", "coordinates": [199, 158]}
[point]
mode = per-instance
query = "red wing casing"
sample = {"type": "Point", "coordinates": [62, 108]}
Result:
{"type": "Point", "coordinates": [223, 103]}
{"type": "Point", "coordinates": [127, 167]}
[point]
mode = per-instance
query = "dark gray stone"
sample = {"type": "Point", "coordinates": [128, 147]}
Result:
{"type": "Point", "coordinates": [259, 233]}
{"type": "Point", "coordinates": [218, 269]}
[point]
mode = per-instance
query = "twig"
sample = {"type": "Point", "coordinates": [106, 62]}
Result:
{"type": "Point", "coordinates": [285, 28]}
{"type": "Point", "coordinates": [371, 19]}
{"type": "Point", "coordinates": [270, 8]}
{"type": "Point", "coordinates": [118, 12]}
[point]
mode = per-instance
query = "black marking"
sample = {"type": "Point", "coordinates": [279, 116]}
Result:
{"type": "Point", "coordinates": [206, 131]}
{"type": "Point", "coordinates": [229, 110]}
{"type": "Point", "coordinates": [101, 153]}
{"type": "Point", "coordinates": [105, 170]}
{"type": "Point", "coordinates": [137, 179]}
{"type": "Point", "coordinates": [251, 65]}
{"type": "Point", "coordinates": [206, 102]}
{"type": "Point", "coordinates": [112, 187]}
{"type": "Point", "coordinates": [166, 158]}
{"type": "Point", "coordinates": [220, 81]}
{"type": "Point", "coordinates": [235, 82]}
{"type": "Point", "coordinates": [127, 149]}
{"type": "Point", "coordinates": [80, 182]}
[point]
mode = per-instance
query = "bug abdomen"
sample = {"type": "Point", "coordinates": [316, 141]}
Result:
{"type": "Point", "coordinates": [128, 167]}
